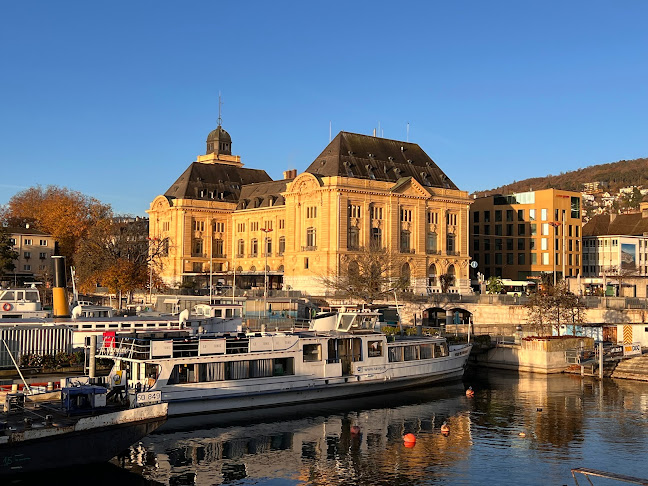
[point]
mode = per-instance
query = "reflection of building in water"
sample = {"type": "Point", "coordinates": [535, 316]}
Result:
{"type": "Point", "coordinates": [321, 447]}
{"type": "Point", "coordinates": [550, 409]}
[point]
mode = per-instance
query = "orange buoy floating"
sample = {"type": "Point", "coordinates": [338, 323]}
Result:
{"type": "Point", "coordinates": [445, 429]}
{"type": "Point", "coordinates": [522, 434]}
{"type": "Point", "coordinates": [470, 392]}
{"type": "Point", "coordinates": [409, 440]}
{"type": "Point", "coordinates": [355, 430]}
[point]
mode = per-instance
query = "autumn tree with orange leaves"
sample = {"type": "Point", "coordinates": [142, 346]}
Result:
{"type": "Point", "coordinates": [69, 216]}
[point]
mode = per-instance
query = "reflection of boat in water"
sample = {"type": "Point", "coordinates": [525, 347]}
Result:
{"type": "Point", "coordinates": [281, 442]}
{"type": "Point", "coordinates": [342, 355]}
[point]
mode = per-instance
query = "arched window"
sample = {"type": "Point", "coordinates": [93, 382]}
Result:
{"type": "Point", "coordinates": [239, 269]}
{"type": "Point", "coordinates": [280, 269]}
{"type": "Point", "coordinates": [282, 245]}
{"type": "Point", "coordinates": [252, 268]}
{"type": "Point", "coordinates": [432, 275]}
{"type": "Point", "coordinates": [451, 270]}
{"type": "Point", "coordinates": [254, 247]}
{"type": "Point", "coordinates": [240, 250]}
{"type": "Point", "coordinates": [450, 244]}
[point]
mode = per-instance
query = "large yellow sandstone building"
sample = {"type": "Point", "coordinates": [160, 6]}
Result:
{"type": "Point", "coordinates": [360, 190]}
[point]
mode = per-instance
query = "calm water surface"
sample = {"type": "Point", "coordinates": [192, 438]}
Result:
{"type": "Point", "coordinates": [567, 421]}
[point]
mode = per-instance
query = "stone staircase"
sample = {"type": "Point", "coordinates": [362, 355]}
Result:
{"type": "Point", "coordinates": [632, 369]}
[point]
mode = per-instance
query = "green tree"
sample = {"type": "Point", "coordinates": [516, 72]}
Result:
{"type": "Point", "coordinates": [7, 254]}
{"type": "Point", "coordinates": [494, 285]}
{"type": "Point", "coordinates": [446, 280]}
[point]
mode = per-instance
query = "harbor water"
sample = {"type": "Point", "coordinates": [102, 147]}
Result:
{"type": "Point", "coordinates": [518, 429]}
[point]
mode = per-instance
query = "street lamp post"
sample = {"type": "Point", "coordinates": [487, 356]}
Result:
{"type": "Point", "coordinates": [265, 271]}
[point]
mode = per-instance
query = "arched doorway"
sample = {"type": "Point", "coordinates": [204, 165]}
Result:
{"type": "Point", "coordinates": [432, 275]}
{"type": "Point", "coordinates": [459, 315]}
{"type": "Point", "coordinates": [434, 317]}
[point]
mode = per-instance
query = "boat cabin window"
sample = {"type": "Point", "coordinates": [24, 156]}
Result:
{"type": "Point", "coordinates": [374, 349]}
{"type": "Point", "coordinates": [441, 350]}
{"type": "Point", "coordinates": [411, 353]}
{"type": "Point", "coordinates": [426, 351]}
{"type": "Point", "coordinates": [395, 354]}
{"type": "Point", "coordinates": [8, 295]}
{"type": "Point", "coordinates": [31, 296]}
{"type": "Point", "coordinates": [229, 370]}
{"type": "Point", "coordinates": [312, 352]}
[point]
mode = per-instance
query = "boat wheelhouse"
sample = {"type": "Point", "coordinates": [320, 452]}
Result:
{"type": "Point", "coordinates": [21, 304]}
{"type": "Point", "coordinates": [342, 354]}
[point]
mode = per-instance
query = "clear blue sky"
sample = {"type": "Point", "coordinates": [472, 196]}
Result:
{"type": "Point", "coordinates": [115, 99]}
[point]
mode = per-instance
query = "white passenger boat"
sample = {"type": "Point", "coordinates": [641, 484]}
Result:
{"type": "Point", "coordinates": [341, 355]}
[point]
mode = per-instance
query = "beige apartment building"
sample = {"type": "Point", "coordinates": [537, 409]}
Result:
{"type": "Point", "coordinates": [35, 249]}
{"type": "Point", "coordinates": [524, 235]}
{"type": "Point", "coordinates": [359, 190]}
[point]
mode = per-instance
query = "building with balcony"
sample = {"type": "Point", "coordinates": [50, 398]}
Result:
{"type": "Point", "coordinates": [360, 191]}
{"type": "Point", "coordinates": [524, 235]}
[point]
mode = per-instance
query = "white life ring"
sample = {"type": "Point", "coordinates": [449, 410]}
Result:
{"type": "Point", "coordinates": [7, 307]}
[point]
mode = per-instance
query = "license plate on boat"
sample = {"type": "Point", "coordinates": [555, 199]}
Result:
{"type": "Point", "coordinates": [149, 398]}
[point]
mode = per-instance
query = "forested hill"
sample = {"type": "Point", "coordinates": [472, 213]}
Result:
{"type": "Point", "coordinates": [613, 176]}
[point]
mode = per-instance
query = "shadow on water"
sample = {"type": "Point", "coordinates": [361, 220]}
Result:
{"type": "Point", "coordinates": [95, 475]}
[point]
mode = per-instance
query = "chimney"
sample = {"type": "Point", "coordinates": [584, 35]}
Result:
{"type": "Point", "coordinates": [290, 174]}
{"type": "Point", "coordinates": [60, 307]}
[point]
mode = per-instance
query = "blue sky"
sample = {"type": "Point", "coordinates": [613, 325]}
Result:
{"type": "Point", "coordinates": [115, 99]}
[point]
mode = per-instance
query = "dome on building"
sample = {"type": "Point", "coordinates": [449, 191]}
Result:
{"type": "Point", "coordinates": [219, 142]}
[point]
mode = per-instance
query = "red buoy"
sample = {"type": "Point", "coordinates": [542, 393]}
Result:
{"type": "Point", "coordinates": [409, 440]}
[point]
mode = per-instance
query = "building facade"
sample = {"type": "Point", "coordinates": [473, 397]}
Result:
{"type": "Point", "coordinates": [359, 191]}
{"type": "Point", "coordinates": [617, 244]}
{"type": "Point", "coordinates": [524, 235]}
{"type": "Point", "coordinates": [35, 249]}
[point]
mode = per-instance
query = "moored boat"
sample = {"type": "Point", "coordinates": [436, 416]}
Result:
{"type": "Point", "coordinates": [78, 428]}
{"type": "Point", "coordinates": [343, 354]}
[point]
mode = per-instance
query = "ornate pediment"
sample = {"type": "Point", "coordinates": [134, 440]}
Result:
{"type": "Point", "coordinates": [304, 183]}
{"type": "Point", "coordinates": [408, 186]}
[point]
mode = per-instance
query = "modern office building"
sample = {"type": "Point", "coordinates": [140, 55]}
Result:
{"type": "Point", "coordinates": [524, 235]}
{"type": "Point", "coordinates": [224, 220]}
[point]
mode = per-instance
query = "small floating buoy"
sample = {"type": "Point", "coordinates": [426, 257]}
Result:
{"type": "Point", "coordinates": [355, 430]}
{"type": "Point", "coordinates": [522, 434]}
{"type": "Point", "coordinates": [409, 440]}
{"type": "Point", "coordinates": [470, 392]}
{"type": "Point", "coordinates": [445, 429]}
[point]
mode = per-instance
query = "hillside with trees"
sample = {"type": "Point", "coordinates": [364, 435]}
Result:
{"type": "Point", "coordinates": [612, 177]}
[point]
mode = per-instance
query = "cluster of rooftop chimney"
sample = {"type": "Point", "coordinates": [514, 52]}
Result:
{"type": "Point", "coordinates": [290, 174]}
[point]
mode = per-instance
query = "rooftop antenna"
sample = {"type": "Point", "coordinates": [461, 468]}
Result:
{"type": "Point", "coordinates": [408, 131]}
{"type": "Point", "coordinates": [220, 104]}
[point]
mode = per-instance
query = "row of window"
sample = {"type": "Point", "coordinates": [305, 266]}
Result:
{"type": "Point", "coordinates": [498, 244]}
{"type": "Point", "coordinates": [231, 370]}
{"type": "Point", "coordinates": [254, 247]}
{"type": "Point", "coordinates": [521, 214]}
{"type": "Point", "coordinates": [27, 242]}
{"type": "Point", "coordinates": [522, 229]}
{"type": "Point", "coordinates": [254, 226]}
{"type": "Point", "coordinates": [485, 259]}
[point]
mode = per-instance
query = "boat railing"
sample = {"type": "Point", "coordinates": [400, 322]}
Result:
{"type": "Point", "coordinates": [125, 347]}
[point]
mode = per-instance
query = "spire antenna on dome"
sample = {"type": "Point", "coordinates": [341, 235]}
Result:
{"type": "Point", "coordinates": [220, 104]}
